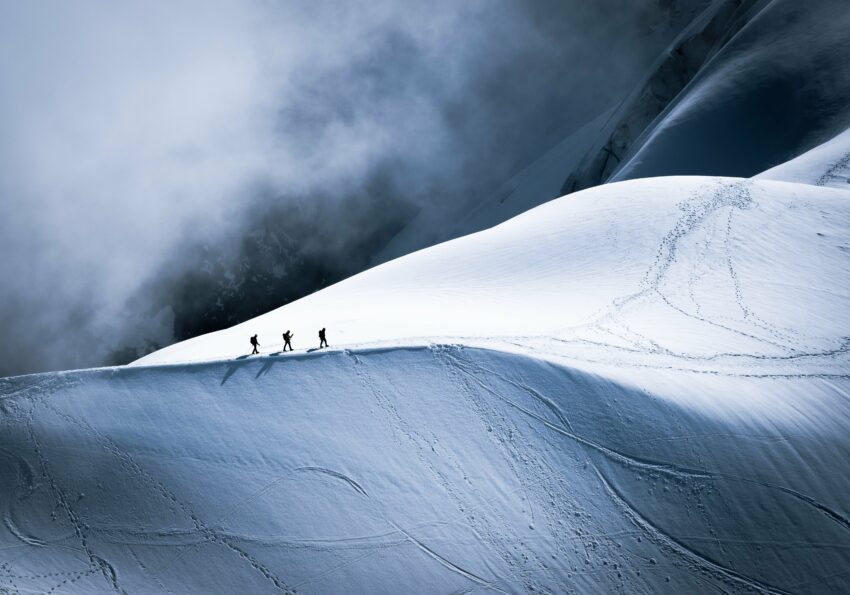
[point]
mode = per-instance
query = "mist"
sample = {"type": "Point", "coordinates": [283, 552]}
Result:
{"type": "Point", "coordinates": [168, 169]}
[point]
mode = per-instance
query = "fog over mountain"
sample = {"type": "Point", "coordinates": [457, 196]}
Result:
{"type": "Point", "coordinates": [632, 379]}
{"type": "Point", "coordinates": [779, 84]}
{"type": "Point", "coordinates": [172, 169]}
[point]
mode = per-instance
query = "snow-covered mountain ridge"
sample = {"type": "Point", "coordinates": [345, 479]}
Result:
{"type": "Point", "coordinates": [642, 387]}
{"type": "Point", "coordinates": [439, 469]}
{"type": "Point", "coordinates": [691, 266]}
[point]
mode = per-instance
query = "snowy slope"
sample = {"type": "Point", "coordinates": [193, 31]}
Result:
{"type": "Point", "coordinates": [825, 165]}
{"type": "Point", "coordinates": [745, 85]}
{"type": "Point", "coordinates": [695, 265]}
{"type": "Point", "coordinates": [429, 470]}
{"type": "Point", "coordinates": [637, 388]}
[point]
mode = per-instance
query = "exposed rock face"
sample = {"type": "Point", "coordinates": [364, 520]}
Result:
{"type": "Point", "coordinates": [749, 85]}
{"type": "Point", "coordinates": [672, 73]}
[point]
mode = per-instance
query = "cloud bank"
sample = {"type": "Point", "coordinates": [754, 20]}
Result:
{"type": "Point", "coordinates": [168, 168]}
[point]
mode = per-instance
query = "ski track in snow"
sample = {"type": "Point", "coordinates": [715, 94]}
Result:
{"type": "Point", "coordinates": [703, 212]}
{"type": "Point", "coordinates": [605, 451]}
{"type": "Point", "coordinates": [699, 562]}
{"type": "Point", "coordinates": [638, 465]}
{"type": "Point", "coordinates": [834, 172]}
{"type": "Point", "coordinates": [472, 379]}
{"type": "Point", "coordinates": [82, 530]}
{"type": "Point", "coordinates": [553, 504]}
{"type": "Point", "coordinates": [697, 213]}
{"type": "Point", "coordinates": [486, 533]}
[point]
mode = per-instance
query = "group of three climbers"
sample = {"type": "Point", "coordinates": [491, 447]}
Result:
{"type": "Point", "coordinates": [287, 338]}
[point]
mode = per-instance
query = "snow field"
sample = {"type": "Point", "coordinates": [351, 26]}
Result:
{"type": "Point", "coordinates": [638, 388]}
{"type": "Point", "coordinates": [433, 469]}
{"type": "Point", "coordinates": [698, 269]}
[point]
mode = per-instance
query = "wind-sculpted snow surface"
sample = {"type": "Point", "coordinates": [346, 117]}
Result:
{"type": "Point", "coordinates": [438, 469]}
{"type": "Point", "coordinates": [693, 269]}
{"type": "Point", "coordinates": [639, 388]}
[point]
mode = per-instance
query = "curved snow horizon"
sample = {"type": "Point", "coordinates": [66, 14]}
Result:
{"type": "Point", "coordinates": [659, 266]}
{"type": "Point", "coordinates": [641, 387]}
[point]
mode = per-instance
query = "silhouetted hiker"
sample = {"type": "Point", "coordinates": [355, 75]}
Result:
{"type": "Point", "coordinates": [255, 343]}
{"type": "Point", "coordinates": [287, 337]}
{"type": "Point", "coordinates": [322, 341]}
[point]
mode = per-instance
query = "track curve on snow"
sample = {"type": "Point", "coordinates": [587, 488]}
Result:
{"type": "Point", "coordinates": [457, 468]}
{"type": "Point", "coordinates": [639, 388]}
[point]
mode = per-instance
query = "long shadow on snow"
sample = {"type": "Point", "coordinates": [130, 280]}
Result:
{"type": "Point", "coordinates": [737, 504]}
{"type": "Point", "coordinates": [595, 413]}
